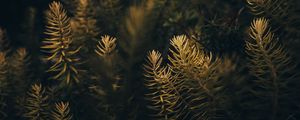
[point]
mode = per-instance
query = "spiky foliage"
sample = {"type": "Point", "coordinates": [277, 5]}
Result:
{"type": "Point", "coordinates": [62, 111]}
{"type": "Point", "coordinates": [106, 46]}
{"type": "Point", "coordinates": [284, 17]}
{"type": "Point", "coordinates": [57, 45]}
{"type": "Point", "coordinates": [84, 17]}
{"type": "Point", "coordinates": [271, 8]}
{"type": "Point", "coordinates": [20, 73]}
{"type": "Point", "coordinates": [198, 70]}
{"type": "Point", "coordinates": [36, 103]}
{"type": "Point", "coordinates": [272, 68]}
{"type": "Point", "coordinates": [4, 43]}
{"type": "Point", "coordinates": [108, 88]}
{"type": "Point", "coordinates": [191, 89]}
{"type": "Point", "coordinates": [161, 92]}
{"type": "Point", "coordinates": [187, 57]}
{"type": "Point", "coordinates": [20, 78]}
{"type": "Point", "coordinates": [84, 25]}
{"type": "Point", "coordinates": [3, 84]}
{"type": "Point", "coordinates": [106, 49]}
{"type": "Point", "coordinates": [280, 12]}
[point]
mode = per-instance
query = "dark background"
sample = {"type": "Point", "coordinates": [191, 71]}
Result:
{"type": "Point", "coordinates": [14, 13]}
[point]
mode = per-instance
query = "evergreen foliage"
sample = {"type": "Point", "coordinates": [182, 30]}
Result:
{"type": "Point", "coordinates": [57, 45]}
{"type": "Point", "coordinates": [150, 60]}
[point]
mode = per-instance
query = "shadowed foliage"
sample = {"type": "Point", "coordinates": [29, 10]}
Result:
{"type": "Point", "coordinates": [36, 103]}
{"type": "Point", "coordinates": [3, 84]}
{"type": "Point", "coordinates": [272, 67]}
{"type": "Point", "coordinates": [62, 111]}
{"type": "Point", "coordinates": [149, 60]}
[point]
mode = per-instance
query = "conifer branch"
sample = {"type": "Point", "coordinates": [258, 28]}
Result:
{"type": "Point", "coordinates": [270, 64]}
{"type": "Point", "coordinates": [36, 103]}
{"type": "Point", "coordinates": [57, 45]}
{"type": "Point", "coordinates": [106, 46]}
{"type": "Point", "coordinates": [62, 111]}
